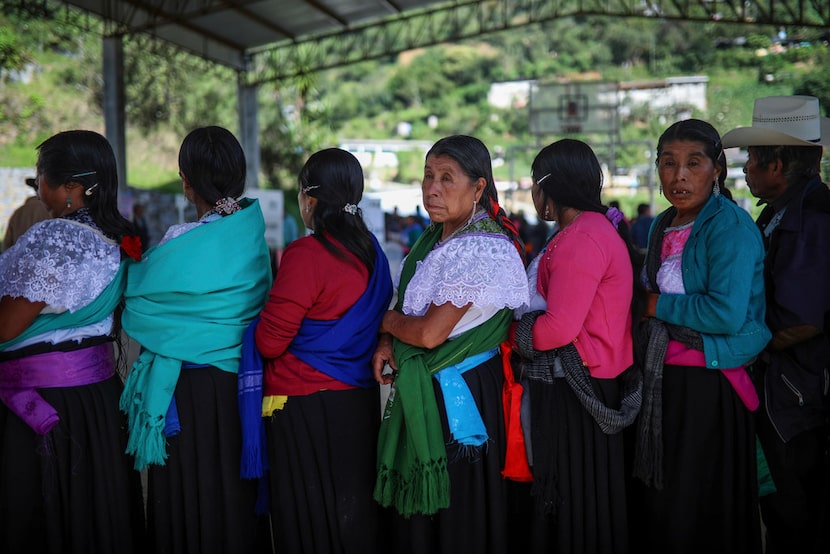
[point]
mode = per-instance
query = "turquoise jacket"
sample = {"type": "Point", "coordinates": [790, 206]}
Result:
{"type": "Point", "coordinates": [723, 274]}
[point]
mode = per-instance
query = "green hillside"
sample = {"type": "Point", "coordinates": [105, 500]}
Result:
{"type": "Point", "coordinates": [50, 80]}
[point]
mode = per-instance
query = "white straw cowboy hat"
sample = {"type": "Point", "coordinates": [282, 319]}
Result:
{"type": "Point", "coordinates": [783, 121]}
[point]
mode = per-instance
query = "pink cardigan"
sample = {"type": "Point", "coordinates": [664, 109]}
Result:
{"type": "Point", "coordinates": [586, 278]}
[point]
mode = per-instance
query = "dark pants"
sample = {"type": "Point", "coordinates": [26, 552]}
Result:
{"type": "Point", "coordinates": [797, 515]}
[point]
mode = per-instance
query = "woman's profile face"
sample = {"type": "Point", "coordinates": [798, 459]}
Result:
{"type": "Point", "coordinates": [448, 193]}
{"type": "Point", "coordinates": [687, 175]}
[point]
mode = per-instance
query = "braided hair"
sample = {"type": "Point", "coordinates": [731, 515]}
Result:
{"type": "Point", "coordinates": [474, 158]}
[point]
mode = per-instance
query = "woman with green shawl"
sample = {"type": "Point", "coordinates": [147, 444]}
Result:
{"type": "Point", "coordinates": [441, 446]}
{"type": "Point", "coordinates": [188, 303]}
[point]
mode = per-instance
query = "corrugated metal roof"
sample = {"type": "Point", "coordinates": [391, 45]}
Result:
{"type": "Point", "coordinates": [228, 31]}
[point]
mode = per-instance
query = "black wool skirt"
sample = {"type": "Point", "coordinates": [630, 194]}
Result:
{"type": "Point", "coordinates": [196, 502]}
{"type": "Point", "coordinates": [72, 490]}
{"type": "Point", "coordinates": [322, 449]}
{"type": "Point", "coordinates": [476, 520]}
{"type": "Point", "coordinates": [586, 510]}
{"type": "Point", "coordinates": [709, 502]}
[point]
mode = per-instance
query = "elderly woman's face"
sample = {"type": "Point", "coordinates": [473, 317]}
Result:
{"type": "Point", "coordinates": [448, 193]}
{"type": "Point", "coordinates": [687, 175]}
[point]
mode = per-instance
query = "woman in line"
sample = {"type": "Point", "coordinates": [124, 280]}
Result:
{"type": "Point", "coordinates": [66, 485]}
{"type": "Point", "coordinates": [695, 447]}
{"type": "Point", "coordinates": [576, 349]}
{"type": "Point", "coordinates": [318, 332]}
{"type": "Point", "coordinates": [442, 440]}
{"type": "Point", "coordinates": [188, 304]}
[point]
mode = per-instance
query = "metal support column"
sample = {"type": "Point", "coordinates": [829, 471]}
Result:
{"type": "Point", "coordinates": [248, 109]}
{"type": "Point", "coordinates": [114, 118]}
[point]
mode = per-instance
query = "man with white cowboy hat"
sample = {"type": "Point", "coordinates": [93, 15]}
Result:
{"type": "Point", "coordinates": [793, 373]}
{"type": "Point", "coordinates": [29, 213]}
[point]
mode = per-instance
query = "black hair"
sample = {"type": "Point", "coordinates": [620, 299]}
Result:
{"type": "Point", "coordinates": [86, 158]}
{"type": "Point", "coordinates": [702, 132]}
{"type": "Point", "coordinates": [335, 178]}
{"type": "Point", "coordinates": [474, 158]}
{"type": "Point", "coordinates": [800, 163]}
{"type": "Point", "coordinates": [568, 172]}
{"type": "Point", "coordinates": [213, 162]}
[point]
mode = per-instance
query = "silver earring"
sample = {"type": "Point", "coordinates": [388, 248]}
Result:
{"type": "Point", "coordinates": [716, 189]}
{"type": "Point", "coordinates": [547, 212]}
{"type": "Point", "coordinates": [307, 208]}
{"type": "Point", "coordinates": [68, 202]}
{"type": "Point", "coordinates": [472, 215]}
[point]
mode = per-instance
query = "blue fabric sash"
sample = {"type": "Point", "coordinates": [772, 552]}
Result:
{"type": "Point", "coordinates": [343, 348]}
{"type": "Point", "coordinates": [464, 420]}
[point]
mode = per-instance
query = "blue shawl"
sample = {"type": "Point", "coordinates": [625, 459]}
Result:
{"type": "Point", "coordinates": [343, 348]}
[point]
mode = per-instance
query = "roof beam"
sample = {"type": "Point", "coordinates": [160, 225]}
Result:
{"type": "Point", "coordinates": [464, 20]}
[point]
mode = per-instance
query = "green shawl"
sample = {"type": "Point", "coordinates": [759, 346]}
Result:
{"type": "Point", "coordinates": [412, 457]}
{"type": "Point", "coordinates": [190, 299]}
{"type": "Point", "coordinates": [104, 305]}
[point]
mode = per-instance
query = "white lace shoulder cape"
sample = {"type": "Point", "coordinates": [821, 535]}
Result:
{"type": "Point", "coordinates": [481, 268]}
{"type": "Point", "coordinates": [63, 263]}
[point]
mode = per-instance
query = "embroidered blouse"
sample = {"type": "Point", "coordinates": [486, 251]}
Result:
{"type": "Point", "coordinates": [479, 268]}
{"type": "Point", "coordinates": [66, 263]}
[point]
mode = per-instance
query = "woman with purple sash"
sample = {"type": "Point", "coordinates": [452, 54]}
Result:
{"type": "Point", "coordinates": [317, 334]}
{"type": "Point", "coordinates": [66, 485]}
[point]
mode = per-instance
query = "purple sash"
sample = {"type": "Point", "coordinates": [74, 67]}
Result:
{"type": "Point", "coordinates": [20, 379]}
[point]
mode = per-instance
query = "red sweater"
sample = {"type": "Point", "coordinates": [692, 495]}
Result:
{"type": "Point", "coordinates": [311, 283]}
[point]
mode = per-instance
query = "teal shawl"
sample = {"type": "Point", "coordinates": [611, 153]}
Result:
{"type": "Point", "coordinates": [103, 306]}
{"type": "Point", "coordinates": [412, 458]}
{"type": "Point", "coordinates": [190, 299]}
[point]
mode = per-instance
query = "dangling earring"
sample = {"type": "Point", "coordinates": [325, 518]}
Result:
{"type": "Point", "coordinates": [547, 212]}
{"type": "Point", "coordinates": [307, 208]}
{"type": "Point", "coordinates": [472, 215]}
{"type": "Point", "coordinates": [68, 202]}
{"type": "Point", "coordinates": [716, 188]}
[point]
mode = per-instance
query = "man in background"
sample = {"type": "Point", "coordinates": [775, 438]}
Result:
{"type": "Point", "coordinates": [792, 374]}
{"type": "Point", "coordinates": [24, 217]}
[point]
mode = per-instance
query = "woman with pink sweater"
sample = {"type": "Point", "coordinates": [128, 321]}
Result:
{"type": "Point", "coordinates": [576, 348]}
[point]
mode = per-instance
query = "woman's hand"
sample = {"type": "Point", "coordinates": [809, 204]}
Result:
{"type": "Point", "coordinates": [382, 356]}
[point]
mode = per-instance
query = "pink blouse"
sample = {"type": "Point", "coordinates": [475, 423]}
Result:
{"type": "Point", "coordinates": [586, 278]}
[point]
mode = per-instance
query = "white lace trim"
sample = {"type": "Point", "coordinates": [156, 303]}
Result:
{"type": "Point", "coordinates": [179, 229]}
{"type": "Point", "coordinates": [62, 263]}
{"type": "Point", "coordinates": [483, 269]}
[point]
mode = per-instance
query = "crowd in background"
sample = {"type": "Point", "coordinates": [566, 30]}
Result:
{"type": "Point", "coordinates": [586, 383]}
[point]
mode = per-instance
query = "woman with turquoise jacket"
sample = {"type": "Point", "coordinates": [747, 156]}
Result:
{"type": "Point", "coordinates": [695, 444]}
{"type": "Point", "coordinates": [188, 304]}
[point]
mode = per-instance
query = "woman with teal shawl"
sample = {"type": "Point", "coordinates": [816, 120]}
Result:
{"type": "Point", "coordinates": [442, 446]}
{"type": "Point", "coordinates": [188, 303]}
{"type": "Point", "coordinates": [317, 333]}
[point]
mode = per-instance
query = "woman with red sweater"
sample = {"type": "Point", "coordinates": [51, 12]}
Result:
{"type": "Point", "coordinates": [317, 333]}
{"type": "Point", "coordinates": [576, 348]}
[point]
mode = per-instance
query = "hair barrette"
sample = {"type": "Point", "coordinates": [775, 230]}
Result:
{"type": "Point", "coordinates": [350, 209]}
{"type": "Point", "coordinates": [88, 192]}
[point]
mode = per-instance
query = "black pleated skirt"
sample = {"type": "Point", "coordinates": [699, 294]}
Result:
{"type": "Point", "coordinates": [709, 502]}
{"type": "Point", "coordinates": [197, 503]}
{"type": "Point", "coordinates": [72, 490]}
{"type": "Point", "coordinates": [322, 450]}
{"type": "Point", "coordinates": [588, 495]}
{"type": "Point", "coordinates": [476, 520]}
